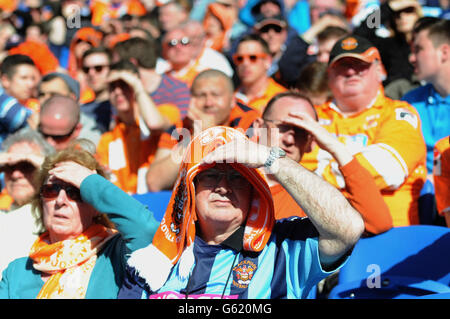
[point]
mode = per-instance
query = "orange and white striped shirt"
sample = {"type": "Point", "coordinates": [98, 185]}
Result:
{"type": "Point", "coordinates": [441, 175]}
{"type": "Point", "coordinates": [386, 139]}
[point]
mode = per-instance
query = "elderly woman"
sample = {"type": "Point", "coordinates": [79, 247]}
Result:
{"type": "Point", "coordinates": [90, 227]}
{"type": "Point", "coordinates": [219, 238]}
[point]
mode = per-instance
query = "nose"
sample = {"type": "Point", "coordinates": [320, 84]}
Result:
{"type": "Point", "coordinates": [412, 58]}
{"type": "Point", "coordinates": [62, 197]}
{"type": "Point", "coordinates": [222, 186]}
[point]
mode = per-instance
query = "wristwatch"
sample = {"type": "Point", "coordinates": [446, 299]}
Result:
{"type": "Point", "coordinates": [275, 152]}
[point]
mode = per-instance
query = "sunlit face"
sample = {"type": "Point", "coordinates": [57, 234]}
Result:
{"type": "Point", "coordinates": [65, 217]}
{"type": "Point", "coordinates": [177, 48]}
{"type": "Point", "coordinates": [121, 96]}
{"type": "Point", "coordinates": [19, 177]}
{"type": "Point", "coordinates": [269, 9]}
{"type": "Point", "coordinates": [275, 37]}
{"type": "Point", "coordinates": [424, 57]}
{"type": "Point", "coordinates": [405, 19]}
{"type": "Point", "coordinates": [350, 77]}
{"type": "Point", "coordinates": [251, 70]}
{"type": "Point", "coordinates": [55, 86]}
{"type": "Point", "coordinates": [222, 202]}
{"type": "Point", "coordinates": [293, 140]}
{"type": "Point", "coordinates": [96, 68]}
{"type": "Point", "coordinates": [23, 83]}
{"type": "Point", "coordinates": [214, 96]}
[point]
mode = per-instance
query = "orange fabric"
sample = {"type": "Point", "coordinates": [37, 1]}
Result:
{"type": "Point", "coordinates": [118, 38]}
{"type": "Point", "coordinates": [386, 139]}
{"type": "Point", "coordinates": [86, 34]}
{"type": "Point", "coordinates": [87, 96]}
{"type": "Point", "coordinates": [8, 5]}
{"type": "Point", "coordinates": [441, 174]}
{"type": "Point", "coordinates": [41, 55]}
{"type": "Point", "coordinates": [6, 200]}
{"type": "Point", "coordinates": [33, 104]}
{"type": "Point", "coordinates": [177, 228]}
{"type": "Point", "coordinates": [188, 73]}
{"type": "Point", "coordinates": [360, 191]}
{"type": "Point", "coordinates": [69, 262]}
{"type": "Point", "coordinates": [260, 102]}
{"type": "Point", "coordinates": [103, 11]}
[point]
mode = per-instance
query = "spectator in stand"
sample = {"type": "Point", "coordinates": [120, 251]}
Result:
{"type": "Point", "coordinates": [313, 82]}
{"type": "Point", "coordinates": [289, 122]}
{"type": "Point", "coordinates": [60, 84]}
{"type": "Point", "coordinates": [162, 88]}
{"type": "Point", "coordinates": [24, 153]}
{"type": "Point", "coordinates": [252, 60]}
{"type": "Point", "coordinates": [19, 79]}
{"type": "Point", "coordinates": [326, 40]}
{"type": "Point", "coordinates": [288, 50]}
{"type": "Point", "coordinates": [212, 104]}
{"type": "Point", "coordinates": [127, 150]}
{"type": "Point", "coordinates": [95, 65]}
{"type": "Point", "coordinates": [373, 127]}
{"type": "Point", "coordinates": [431, 61]}
{"type": "Point", "coordinates": [59, 121]}
{"type": "Point", "coordinates": [220, 228]}
{"type": "Point", "coordinates": [90, 228]}
{"type": "Point", "coordinates": [441, 175]}
{"type": "Point", "coordinates": [172, 14]}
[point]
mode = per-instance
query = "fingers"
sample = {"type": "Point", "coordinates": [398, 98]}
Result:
{"type": "Point", "coordinates": [71, 172]}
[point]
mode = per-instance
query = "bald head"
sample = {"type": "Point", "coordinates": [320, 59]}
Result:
{"type": "Point", "coordinates": [212, 74]}
{"type": "Point", "coordinates": [59, 119]}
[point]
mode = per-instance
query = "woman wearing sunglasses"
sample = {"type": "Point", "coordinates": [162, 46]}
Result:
{"type": "Point", "coordinates": [90, 227]}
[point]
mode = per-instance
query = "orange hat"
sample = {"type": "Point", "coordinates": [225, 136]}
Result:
{"type": "Point", "coordinates": [41, 55]}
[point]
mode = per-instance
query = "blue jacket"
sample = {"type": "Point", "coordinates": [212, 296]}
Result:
{"type": "Point", "coordinates": [135, 223]}
{"type": "Point", "coordinates": [434, 112]}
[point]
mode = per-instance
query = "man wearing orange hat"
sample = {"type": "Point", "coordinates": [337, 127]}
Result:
{"type": "Point", "coordinates": [219, 238]}
{"type": "Point", "coordinates": [384, 135]}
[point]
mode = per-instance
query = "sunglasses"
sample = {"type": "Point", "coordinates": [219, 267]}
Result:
{"type": "Point", "coordinates": [212, 178]}
{"type": "Point", "coordinates": [239, 58]}
{"type": "Point", "coordinates": [409, 10]}
{"type": "Point", "coordinates": [25, 167]}
{"type": "Point", "coordinates": [51, 191]}
{"type": "Point", "coordinates": [98, 68]}
{"type": "Point", "coordinates": [283, 128]}
{"type": "Point", "coordinates": [274, 27]}
{"type": "Point", "coordinates": [57, 138]}
{"type": "Point", "coordinates": [174, 42]}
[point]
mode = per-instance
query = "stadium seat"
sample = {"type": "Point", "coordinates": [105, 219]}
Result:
{"type": "Point", "coordinates": [404, 262]}
{"type": "Point", "coordinates": [156, 202]}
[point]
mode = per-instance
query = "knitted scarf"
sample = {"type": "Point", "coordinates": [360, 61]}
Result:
{"type": "Point", "coordinates": [69, 262]}
{"type": "Point", "coordinates": [173, 241]}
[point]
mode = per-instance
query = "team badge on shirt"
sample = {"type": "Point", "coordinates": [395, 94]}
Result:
{"type": "Point", "coordinates": [406, 115]}
{"type": "Point", "coordinates": [243, 273]}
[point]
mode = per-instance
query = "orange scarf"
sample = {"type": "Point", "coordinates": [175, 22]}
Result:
{"type": "Point", "coordinates": [69, 262]}
{"type": "Point", "coordinates": [174, 238]}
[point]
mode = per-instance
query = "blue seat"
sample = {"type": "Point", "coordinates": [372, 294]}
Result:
{"type": "Point", "coordinates": [404, 262]}
{"type": "Point", "coordinates": [156, 202]}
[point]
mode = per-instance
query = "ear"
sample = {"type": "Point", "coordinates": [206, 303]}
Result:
{"type": "Point", "coordinates": [309, 144]}
{"type": "Point", "coordinates": [5, 81]}
{"type": "Point", "coordinates": [258, 124]}
{"type": "Point", "coordinates": [77, 130]}
{"type": "Point", "coordinates": [445, 53]}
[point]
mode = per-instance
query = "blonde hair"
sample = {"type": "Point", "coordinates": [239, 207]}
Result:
{"type": "Point", "coordinates": [79, 151]}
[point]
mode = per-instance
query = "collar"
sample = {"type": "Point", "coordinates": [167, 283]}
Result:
{"type": "Point", "coordinates": [235, 240]}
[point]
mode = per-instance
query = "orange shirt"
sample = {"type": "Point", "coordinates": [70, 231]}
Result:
{"type": "Point", "coordinates": [361, 192]}
{"type": "Point", "coordinates": [387, 140]}
{"type": "Point", "coordinates": [260, 102]}
{"type": "Point", "coordinates": [6, 200]}
{"type": "Point", "coordinates": [127, 154]}
{"type": "Point", "coordinates": [441, 174]}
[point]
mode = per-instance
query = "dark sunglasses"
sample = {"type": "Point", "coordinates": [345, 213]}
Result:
{"type": "Point", "coordinates": [25, 167]}
{"type": "Point", "coordinates": [98, 68]}
{"type": "Point", "coordinates": [212, 178]}
{"type": "Point", "coordinates": [183, 41]}
{"type": "Point", "coordinates": [283, 128]}
{"type": "Point", "coordinates": [57, 138]}
{"type": "Point", "coordinates": [51, 191]}
{"type": "Point", "coordinates": [398, 13]}
{"type": "Point", "coordinates": [239, 58]}
{"type": "Point", "coordinates": [267, 28]}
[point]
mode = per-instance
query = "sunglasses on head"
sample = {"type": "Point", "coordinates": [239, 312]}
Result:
{"type": "Point", "coordinates": [57, 138]}
{"type": "Point", "coordinates": [240, 58]}
{"type": "Point", "coordinates": [98, 68]}
{"type": "Point", "coordinates": [25, 167]}
{"type": "Point", "coordinates": [274, 27]}
{"type": "Point", "coordinates": [183, 41]}
{"type": "Point", "coordinates": [405, 10]}
{"type": "Point", "coordinates": [51, 191]}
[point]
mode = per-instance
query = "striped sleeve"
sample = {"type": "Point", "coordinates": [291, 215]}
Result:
{"type": "Point", "coordinates": [13, 115]}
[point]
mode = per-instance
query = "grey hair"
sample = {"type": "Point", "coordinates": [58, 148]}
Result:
{"type": "Point", "coordinates": [27, 134]}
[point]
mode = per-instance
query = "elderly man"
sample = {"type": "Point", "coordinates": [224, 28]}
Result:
{"type": "Point", "coordinates": [212, 104]}
{"type": "Point", "coordinates": [24, 152]}
{"type": "Point", "coordinates": [384, 135]}
{"type": "Point", "coordinates": [219, 238]}
{"type": "Point", "coordinates": [290, 123]}
{"type": "Point", "coordinates": [253, 60]}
